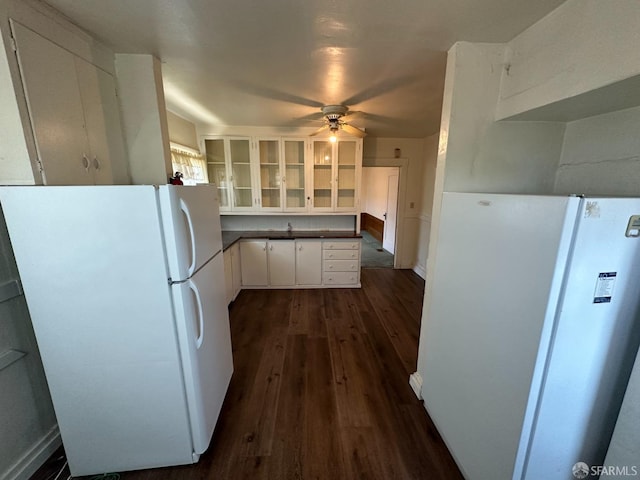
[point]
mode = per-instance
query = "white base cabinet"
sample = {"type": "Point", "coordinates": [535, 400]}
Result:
{"type": "Point", "coordinates": [301, 263]}
{"type": "Point", "coordinates": [253, 261]}
{"type": "Point", "coordinates": [232, 272]}
{"type": "Point", "coordinates": [282, 263]}
{"type": "Point", "coordinates": [308, 263]}
{"type": "Point", "coordinates": [341, 262]}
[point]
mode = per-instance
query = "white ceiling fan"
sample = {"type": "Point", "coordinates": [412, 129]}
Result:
{"type": "Point", "coordinates": [333, 117]}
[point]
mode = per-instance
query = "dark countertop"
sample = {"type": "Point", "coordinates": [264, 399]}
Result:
{"type": "Point", "coordinates": [231, 237]}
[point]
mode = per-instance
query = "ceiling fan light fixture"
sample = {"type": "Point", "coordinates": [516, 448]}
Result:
{"type": "Point", "coordinates": [334, 126]}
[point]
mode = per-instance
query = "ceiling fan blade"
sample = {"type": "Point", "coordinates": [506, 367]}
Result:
{"type": "Point", "coordinates": [274, 94]}
{"type": "Point", "coordinates": [380, 88]}
{"type": "Point", "coordinates": [320, 130]}
{"type": "Point", "coordinates": [312, 118]}
{"type": "Point", "coordinates": [356, 132]}
{"type": "Point", "coordinates": [369, 116]}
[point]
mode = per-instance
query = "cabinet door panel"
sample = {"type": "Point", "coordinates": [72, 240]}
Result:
{"type": "Point", "coordinates": [308, 262]}
{"type": "Point", "coordinates": [270, 175]}
{"type": "Point", "coordinates": [242, 194]}
{"type": "Point", "coordinates": [295, 182]}
{"type": "Point", "coordinates": [282, 263]}
{"type": "Point", "coordinates": [102, 122]}
{"type": "Point", "coordinates": [236, 270]}
{"type": "Point", "coordinates": [228, 275]}
{"type": "Point", "coordinates": [217, 170]}
{"type": "Point", "coordinates": [55, 107]}
{"type": "Point", "coordinates": [253, 262]}
{"type": "Point", "coordinates": [346, 196]}
{"type": "Point", "coordinates": [322, 175]}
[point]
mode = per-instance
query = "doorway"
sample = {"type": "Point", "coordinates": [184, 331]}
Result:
{"type": "Point", "coordinates": [379, 215]}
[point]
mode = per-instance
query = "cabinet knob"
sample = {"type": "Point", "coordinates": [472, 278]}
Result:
{"type": "Point", "coordinates": [85, 162]}
{"type": "Point", "coordinates": [96, 163]}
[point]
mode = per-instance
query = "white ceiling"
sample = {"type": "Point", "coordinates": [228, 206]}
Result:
{"type": "Point", "coordinates": [276, 62]}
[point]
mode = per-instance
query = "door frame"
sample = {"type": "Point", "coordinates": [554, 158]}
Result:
{"type": "Point", "coordinates": [397, 193]}
{"type": "Point", "coordinates": [403, 164]}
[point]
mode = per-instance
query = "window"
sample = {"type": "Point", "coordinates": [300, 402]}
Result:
{"type": "Point", "coordinates": [191, 163]}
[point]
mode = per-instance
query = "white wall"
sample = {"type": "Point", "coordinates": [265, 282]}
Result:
{"type": "Point", "coordinates": [483, 155]}
{"type": "Point", "coordinates": [580, 46]}
{"type": "Point", "coordinates": [601, 155]}
{"type": "Point", "coordinates": [182, 131]}
{"type": "Point", "coordinates": [374, 190]}
{"type": "Point", "coordinates": [16, 166]}
{"type": "Point", "coordinates": [280, 222]}
{"type": "Point", "coordinates": [478, 154]}
{"type": "Point", "coordinates": [426, 204]}
{"type": "Point", "coordinates": [144, 118]}
{"type": "Point", "coordinates": [380, 152]}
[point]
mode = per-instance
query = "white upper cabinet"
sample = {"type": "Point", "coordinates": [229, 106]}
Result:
{"type": "Point", "coordinates": [229, 166]}
{"type": "Point", "coordinates": [217, 170]}
{"type": "Point", "coordinates": [295, 191]}
{"type": "Point", "coordinates": [73, 112]}
{"type": "Point", "coordinates": [270, 175]}
{"type": "Point", "coordinates": [281, 174]}
{"type": "Point", "coordinates": [336, 173]}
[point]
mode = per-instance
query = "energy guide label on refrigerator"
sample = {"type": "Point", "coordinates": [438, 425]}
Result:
{"type": "Point", "coordinates": [604, 287]}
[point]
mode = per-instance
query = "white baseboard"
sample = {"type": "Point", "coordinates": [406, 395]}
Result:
{"type": "Point", "coordinates": [415, 380]}
{"type": "Point", "coordinates": [33, 459]}
{"type": "Point", "coordinates": [420, 270]}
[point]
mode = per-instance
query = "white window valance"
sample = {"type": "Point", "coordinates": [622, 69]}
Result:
{"type": "Point", "coordinates": [191, 163]}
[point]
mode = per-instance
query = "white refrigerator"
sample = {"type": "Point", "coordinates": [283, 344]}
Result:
{"type": "Point", "coordinates": [531, 331]}
{"type": "Point", "coordinates": [125, 290]}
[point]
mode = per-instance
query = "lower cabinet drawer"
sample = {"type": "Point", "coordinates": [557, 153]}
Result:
{"type": "Point", "coordinates": [341, 266]}
{"type": "Point", "coordinates": [340, 278]}
{"type": "Point", "coordinates": [341, 254]}
{"type": "Point", "coordinates": [341, 245]}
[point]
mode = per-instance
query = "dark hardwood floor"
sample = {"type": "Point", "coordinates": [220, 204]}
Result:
{"type": "Point", "coordinates": [320, 388]}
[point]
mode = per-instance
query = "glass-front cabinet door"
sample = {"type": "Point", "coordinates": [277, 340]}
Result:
{"type": "Point", "coordinates": [294, 176]}
{"type": "Point", "coordinates": [336, 175]}
{"type": "Point", "coordinates": [270, 174]}
{"type": "Point", "coordinates": [242, 197]}
{"type": "Point", "coordinates": [346, 175]}
{"type": "Point", "coordinates": [322, 175]}
{"type": "Point", "coordinates": [217, 170]}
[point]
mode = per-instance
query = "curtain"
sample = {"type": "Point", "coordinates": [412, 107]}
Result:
{"type": "Point", "coordinates": [190, 163]}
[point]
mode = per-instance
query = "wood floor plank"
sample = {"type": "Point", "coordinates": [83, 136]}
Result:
{"type": "Point", "coordinates": [262, 404]}
{"type": "Point", "coordinates": [320, 389]}
{"type": "Point", "coordinates": [321, 416]}
{"type": "Point", "coordinates": [351, 365]}
{"type": "Point", "coordinates": [308, 316]}
{"type": "Point", "coordinates": [366, 455]}
{"type": "Point", "coordinates": [403, 331]}
{"type": "Point", "coordinates": [288, 453]}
